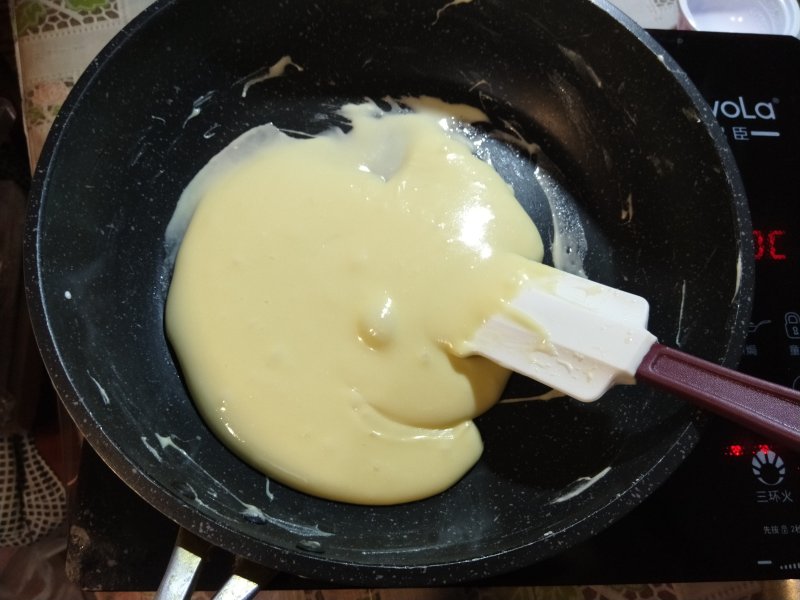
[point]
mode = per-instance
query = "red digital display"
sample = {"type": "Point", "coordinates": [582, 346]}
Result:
{"type": "Point", "coordinates": [768, 244]}
{"type": "Point", "coordinates": [735, 450]}
{"type": "Point", "coordinates": [748, 450]}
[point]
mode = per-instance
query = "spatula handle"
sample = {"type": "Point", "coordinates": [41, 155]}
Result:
{"type": "Point", "coordinates": [763, 406]}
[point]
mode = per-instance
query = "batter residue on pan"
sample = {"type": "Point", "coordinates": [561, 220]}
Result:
{"type": "Point", "coordinates": [322, 292]}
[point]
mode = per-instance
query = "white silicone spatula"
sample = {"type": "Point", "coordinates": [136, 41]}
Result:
{"type": "Point", "coordinates": [581, 337]}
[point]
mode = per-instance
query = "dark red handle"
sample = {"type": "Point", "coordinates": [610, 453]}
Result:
{"type": "Point", "coordinates": [765, 407]}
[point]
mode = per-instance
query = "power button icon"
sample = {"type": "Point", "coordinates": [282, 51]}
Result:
{"type": "Point", "coordinates": [768, 467]}
{"type": "Point", "coordinates": [792, 322]}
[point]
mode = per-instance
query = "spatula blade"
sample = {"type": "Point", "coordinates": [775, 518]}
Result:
{"type": "Point", "coordinates": [574, 335]}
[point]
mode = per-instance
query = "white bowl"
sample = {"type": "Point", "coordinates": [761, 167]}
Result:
{"type": "Point", "coordinates": [780, 17]}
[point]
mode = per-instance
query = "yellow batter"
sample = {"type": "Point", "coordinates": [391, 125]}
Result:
{"type": "Point", "coordinates": [321, 294]}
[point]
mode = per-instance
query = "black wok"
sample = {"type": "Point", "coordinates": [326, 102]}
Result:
{"type": "Point", "coordinates": [653, 204]}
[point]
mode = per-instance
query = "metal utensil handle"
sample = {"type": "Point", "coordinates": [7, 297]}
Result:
{"type": "Point", "coordinates": [766, 407]}
{"type": "Point", "coordinates": [184, 567]}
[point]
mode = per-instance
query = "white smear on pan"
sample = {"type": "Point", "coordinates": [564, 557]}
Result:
{"type": "Point", "coordinates": [103, 394]}
{"type": "Point", "coordinates": [276, 70]}
{"type": "Point", "coordinates": [569, 247]}
{"type": "Point", "coordinates": [268, 492]}
{"type": "Point", "coordinates": [581, 65]}
{"type": "Point", "coordinates": [514, 137]}
{"type": "Point", "coordinates": [249, 511]}
{"type": "Point", "coordinates": [477, 84]}
{"type": "Point", "coordinates": [253, 512]}
{"type": "Point", "coordinates": [449, 5]}
{"type": "Point", "coordinates": [581, 485]}
{"type": "Point", "coordinates": [166, 442]}
{"type": "Point", "coordinates": [692, 115]}
{"type": "Point", "coordinates": [256, 514]}
{"type": "Point", "coordinates": [197, 107]}
{"type": "Point", "coordinates": [151, 448]}
{"type": "Point", "coordinates": [211, 131]}
{"type": "Point", "coordinates": [627, 211]}
{"type": "Point", "coordinates": [738, 275]}
{"type": "Point", "coordinates": [678, 341]}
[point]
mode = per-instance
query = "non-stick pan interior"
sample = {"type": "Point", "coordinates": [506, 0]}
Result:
{"type": "Point", "coordinates": [606, 144]}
